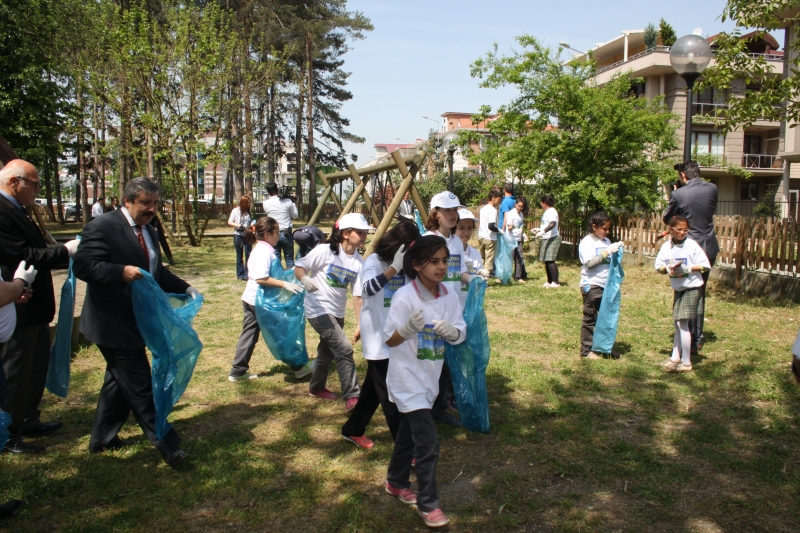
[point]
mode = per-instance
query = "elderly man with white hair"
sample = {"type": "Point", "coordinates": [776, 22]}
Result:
{"type": "Point", "coordinates": [26, 355]}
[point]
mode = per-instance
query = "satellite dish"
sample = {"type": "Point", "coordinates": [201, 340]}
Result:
{"type": "Point", "coordinates": [698, 31]}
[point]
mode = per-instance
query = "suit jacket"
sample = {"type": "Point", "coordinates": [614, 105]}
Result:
{"type": "Point", "coordinates": [697, 201]}
{"type": "Point", "coordinates": [108, 244]}
{"type": "Point", "coordinates": [21, 240]}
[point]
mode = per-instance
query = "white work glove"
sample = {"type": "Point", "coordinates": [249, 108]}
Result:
{"type": "Point", "coordinates": [681, 270]}
{"type": "Point", "coordinates": [415, 324]}
{"type": "Point", "coordinates": [191, 291]}
{"type": "Point", "coordinates": [72, 246]}
{"type": "Point", "coordinates": [28, 274]}
{"type": "Point", "coordinates": [294, 288]}
{"type": "Point", "coordinates": [612, 249]}
{"type": "Point", "coordinates": [446, 330]}
{"type": "Point", "coordinates": [483, 273]}
{"type": "Point", "coordinates": [397, 262]}
{"type": "Point", "coordinates": [478, 276]}
{"type": "Point", "coordinates": [537, 232]}
{"type": "Point", "coordinates": [309, 284]}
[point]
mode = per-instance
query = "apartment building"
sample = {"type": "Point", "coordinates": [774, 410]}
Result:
{"type": "Point", "coordinates": [789, 138]}
{"type": "Point", "coordinates": [755, 148]}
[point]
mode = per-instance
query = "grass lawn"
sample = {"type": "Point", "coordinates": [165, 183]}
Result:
{"type": "Point", "coordinates": [575, 446]}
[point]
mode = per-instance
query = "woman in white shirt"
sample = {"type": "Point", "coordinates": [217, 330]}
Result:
{"type": "Point", "coordinates": [240, 220]}
{"type": "Point", "coordinates": [513, 221]}
{"type": "Point", "coordinates": [551, 240]}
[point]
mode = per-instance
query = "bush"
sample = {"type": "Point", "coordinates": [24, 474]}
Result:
{"type": "Point", "coordinates": [470, 187]}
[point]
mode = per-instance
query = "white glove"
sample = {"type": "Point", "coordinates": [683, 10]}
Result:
{"type": "Point", "coordinates": [478, 276]}
{"type": "Point", "coordinates": [309, 284]}
{"type": "Point", "coordinates": [27, 274]}
{"type": "Point", "coordinates": [397, 262]}
{"type": "Point", "coordinates": [294, 288]}
{"type": "Point", "coordinates": [191, 291]}
{"type": "Point", "coordinates": [415, 324]}
{"type": "Point", "coordinates": [484, 273]}
{"type": "Point", "coordinates": [469, 264]}
{"type": "Point", "coordinates": [446, 330]}
{"type": "Point", "coordinates": [681, 270]}
{"type": "Point", "coordinates": [72, 246]}
{"type": "Point", "coordinates": [612, 249]}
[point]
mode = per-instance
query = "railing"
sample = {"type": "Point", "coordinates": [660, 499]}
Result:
{"type": "Point", "coordinates": [750, 208]}
{"type": "Point", "coordinates": [758, 161]}
{"type": "Point", "coordinates": [635, 56]}
{"type": "Point", "coordinates": [768, 57]}
{"type": "Point", "coordinates": [709, 110]}
{"type": "Point", "coordinates": [712, 160]}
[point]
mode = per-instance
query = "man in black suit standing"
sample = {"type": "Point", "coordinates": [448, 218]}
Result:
{"type": "Point", "coordinates": [112, 250]}
{"type": "Point", "coordinates": [26, 355]}
{"type": "Point", "coordinates": [697, 201]}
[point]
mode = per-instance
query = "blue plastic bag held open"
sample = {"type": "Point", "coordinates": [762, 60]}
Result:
{"type": "Point", "coordinates": [282, 319]}
{"type": "Point", "coordinates": [418, 220]}
{"type": "Point", "coordinates": [165, 322]}
{"type": "Point", "coordinates": [503, 258]}
{"type": "Point", "coordinates": [605, 330]}
{"type": "Point", "coordinates": [468, 362]}
{"type": "Point", "coordinates": [61, 350]}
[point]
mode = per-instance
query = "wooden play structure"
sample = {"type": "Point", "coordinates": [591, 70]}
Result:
{"type": "Point", "coordinates": [381, 219]}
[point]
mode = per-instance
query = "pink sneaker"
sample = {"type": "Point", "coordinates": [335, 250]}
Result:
{"type": "Point", "coordinates": [362, 442]}
{"type": "Point", "coordinates": [435, 518]}
{"type": "Point", "coordinates": [350, 404]}
{"type": "Point", "coordinates": [325, 394]}
{"type": "Point", "coordinates": [404, 495]}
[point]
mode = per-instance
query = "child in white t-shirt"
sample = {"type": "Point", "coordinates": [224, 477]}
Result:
{"type": "Point", "coordinates": [465, 228]}
{"type": "Point", "coordinates": [381, 278]}
{"type": "Point", "coordinates": [684, 261]}
{"type": "Point", "coordinates": [594, 252]}
{"type": "Point", "coordinates": [258, 265]}
{"type": "Point", "coordinates": [423, 316]}
{"type": "Point", "coordinates": [326, 273]}
{"type": "Point", "coordinates": [513, 223]}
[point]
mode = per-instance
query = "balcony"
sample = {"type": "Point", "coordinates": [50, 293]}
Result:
{"type": "Point", "coordinates": [708, 110]}
{"type": "Point", "coordinates": [759, 161]}
{"type": "Point", "coordinates": [635, 56]}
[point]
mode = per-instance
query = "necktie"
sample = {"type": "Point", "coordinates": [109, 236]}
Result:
{"type": "Point", "coordinates": [143, 245]}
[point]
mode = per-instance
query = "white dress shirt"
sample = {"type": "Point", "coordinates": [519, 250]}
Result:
{"type": "Point", "coordinates": [151, 249]}
{"type": "Point", "coordinates": [283, 211]}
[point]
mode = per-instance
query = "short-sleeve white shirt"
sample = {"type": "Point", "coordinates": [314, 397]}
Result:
{"type": "Point", "coordinates": [550, 215]}
{"type": "Point", "coordinates": [333, 273]}
{"type": "Point", "coordinates": [691, 254]}
{"type": "Point", "coordinates": [257, 268]}
{"type": "Point", "coordinates": [590, 247]}
{"type": "Point", "coordinates": [515, 219]}
{"type": "Point", "coordinates": [473, 255]}
{"type": "Point", "coordinates": [455, 262]}
{"type": "Point", "coordinates": [375, 309]}
{"type": "Point", "coordinates": [283, 211]}
{"type": "Point", "coordinates": [238, 218]}
{"type": "Point", "coordinates": [488, 214]}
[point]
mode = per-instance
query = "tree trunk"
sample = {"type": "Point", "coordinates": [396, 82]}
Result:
{"type": "Point", "coordinates": [48, 192]}
{"type": "Point", "coordinates": [247, 168]}
{"type": "Point", "coordinates": [149, 141]}
{"type": "Point", "coordinates": [81, 173]}
{"type": "Point", "coordinates": [52, 162]}
{"type": "Point", "coordinates": [312, 174]}
{"type": "Point", "coordinates": [270, 151]}
{"type": "Point", "coordinates": [103, 154]}
{"type": "Point", "coordinates": [298, 146]}
{"type": "Point", "coordinates": [95, 170]}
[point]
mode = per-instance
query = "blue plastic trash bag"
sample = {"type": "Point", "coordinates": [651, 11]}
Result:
{"type": "Point", "coordinates": [503, 258]}
{"type": "Point", "coordinates": [164, 320]}
{"type": "Point", "coordinates": [282, 319]}
{"type": "Point", "coordinates": [61, 350]}
{"type": "Point", "coordinates": [418, 220]}
{"type": "Point", "coordinates": [605, 330]}
{"type": "Point", "coordinates": [5, 421]}
{"type": "Point", "coordinates": [468, 362]}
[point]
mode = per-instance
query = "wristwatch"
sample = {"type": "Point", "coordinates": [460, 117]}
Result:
{"type": "Point", "coordinates": [25, 285]}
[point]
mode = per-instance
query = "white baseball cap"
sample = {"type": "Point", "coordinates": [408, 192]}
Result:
{"type": "Point", "coordinates": [445, 199]}
{"type": "Point", "coordinates": [353, 221]}
{"type": "Point", "coordinates": [465, 214]}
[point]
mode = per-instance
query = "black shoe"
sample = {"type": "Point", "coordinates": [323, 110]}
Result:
{"type": "Point", "coordinates": [115, 444]}
{"type": "Point", "coordinates": [35, 428]}
{"type": "Point", "coordinates": [175, 457]}
{"type": "Point", "coordinates": [9, 508]}
{"type": "Point", "coordinates": [452, 405]}
{"type": "Point", "coordinates": [449, 420]}
{"type": "Point", "coordinates": [18, 446]}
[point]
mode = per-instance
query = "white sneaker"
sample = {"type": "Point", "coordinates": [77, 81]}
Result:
{"type": "Point", "coordinates": [546, 285]}
{"type": "Point", "coordinates": [243, 377]}
{"type": "Point", "coordinates": [555, 285]}
{"type": "Point", "coordinates": [306, 370]}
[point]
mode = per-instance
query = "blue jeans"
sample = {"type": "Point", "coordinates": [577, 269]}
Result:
{"type": "Point", "coordinates": [286, 245]}
{"type": "Point", "coordinates": [242, 248]}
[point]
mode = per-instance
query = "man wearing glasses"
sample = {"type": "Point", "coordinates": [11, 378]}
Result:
{"type": "Point", "coordinates": [26, 355]}
{"type": "Point", "coordinates": [696, 200]}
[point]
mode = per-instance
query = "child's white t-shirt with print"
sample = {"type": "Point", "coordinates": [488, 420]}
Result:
{"type": "Point", "coordinates": [455, 262]}
{"type": "Point", "coordinates": [333, 273]}
{"type": "Point", "coordinates": [474, 256]}
{"type": "Point", "coordinates": [689, 253]}
{"type": "Point", "coordinates": [416, 363]}
{"type": "Point", "coordinates": [375, 309]}
{"type": "Point", "coordinates": [590, 247]}
{"type": "Point", "coordinates": [257, 268]}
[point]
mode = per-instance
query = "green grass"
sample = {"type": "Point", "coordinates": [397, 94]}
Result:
{"type": "Point", "coordinates": [575, 445]}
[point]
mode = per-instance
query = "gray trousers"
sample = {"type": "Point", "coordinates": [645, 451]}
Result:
{"type": "Point", "coordinates": [26, 357]}
{"type": "Point", "coordinates": [591, 305]}
{"type": "Point", "coordinates": [416, 439]}
{"type": "Point", "coordinates": [334, 345]}
{"type": "Point", "coordinates": [247, 342]}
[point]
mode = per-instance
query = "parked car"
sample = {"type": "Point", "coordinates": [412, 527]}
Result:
{"type": "Point", "coordinates": [70, 211]}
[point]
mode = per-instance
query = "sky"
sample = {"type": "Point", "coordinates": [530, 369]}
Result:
{"type": "Point", "coordinates": [416, 60]}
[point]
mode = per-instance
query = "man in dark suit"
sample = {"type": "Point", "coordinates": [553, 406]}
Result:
{"type": "Point", "coordinates": [112, 250]}
{"type": "Point", "coordinates": [26, 355]}
{"type": "Point", "coordinates": [697, 201]}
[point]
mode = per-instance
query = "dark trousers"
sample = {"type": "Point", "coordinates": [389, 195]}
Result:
{"type": "Point", "coordinates": [3, 393]}
{"type": "Point", "coordinates": [128, 387]}
{"type": "Point", "coordinates": [26, 357]}
{"type": "Point", "coordinates": [286, 245]}
{"type": "Point", "coordinates": [247, 341]}
{"type": "Point", "coordinates": [696, 324]}
{"type": "Point", "coordinates": [242, 253]}
{"type": "Point", "coordinates": [591, 305]}
{"type": "Point", "coordinates": [519, 263]}
{"type": "Point", "coordinates": [446, 393]}
{"type": "Point", "coordinates": [416, 439]}
{"type": "Point", "coordinates": [552, 271]}
{"type": "Point", "coordinates": [373, 394]}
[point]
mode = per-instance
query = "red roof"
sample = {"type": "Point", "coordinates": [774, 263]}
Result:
{"type": "Point", "coordinates": [391, 147]}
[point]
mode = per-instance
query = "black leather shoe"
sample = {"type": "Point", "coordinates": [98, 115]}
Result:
{"type": "Point", "coordinates": [115, 444]}
{"type": "Point", "coordinates": [9, 508]}
{"type": "Point", "coordinates": [175, 457]}
{"type": "Point", "coordinates": [18, 446]}
{"type": "Point", "coordinates": [36, 428]}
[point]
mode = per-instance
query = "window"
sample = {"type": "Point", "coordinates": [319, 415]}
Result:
{"type": "Point", "coordinates": [710, 148]}
{"type": "Point", "coordinates": [710, 96]}
{"type": "Point", "coordinates": [291, 156]}
{"type": "Point", "coordinates": [752, 144]}
{"type": "Point", "coordinates": [749, 191]}
{"type": "Point", "coordinates": [291, 167]}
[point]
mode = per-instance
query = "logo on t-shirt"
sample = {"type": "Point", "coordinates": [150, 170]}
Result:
{"type": "Point", "coordinates": [395, 284]}
{"type": "Point", "coordinates": [453, 268]}
{"type": "Point", "coordinates": [430, 346]}
{"type": "Point", "coordinates": [339, 277]}
{"type": "Point", "coordinates": [599, 250]}
{"type": "Point", "coordinates": [679, 261]}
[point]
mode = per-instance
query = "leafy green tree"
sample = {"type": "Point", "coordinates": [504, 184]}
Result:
{"type": "Point", "coordinates": [592, 147]}
{"type": "Point", "coordinates": [650, 36]}
{"type": "Point", "coordinates": [667, 33]}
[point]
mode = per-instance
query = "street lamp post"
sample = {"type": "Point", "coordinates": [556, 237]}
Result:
{"type": "Point", "coordinates": [432, 120]}
{"type": "Point", "coordinates": [450, 151]}
{"type": "Point", "coordinates": [449, 146]}
{"type": "Point", "coordinates": [689, 57]}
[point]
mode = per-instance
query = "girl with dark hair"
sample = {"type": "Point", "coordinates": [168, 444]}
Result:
{"type": "Point", "coordinates": [424, 314]}
{"type": "Point", "coordinates": [258, 265]}
{"type": "Point", "coordinates": [326, 273]}
{"type": "Point", "coordinates": [513, 221]}
{"type": "Point", "coordinates": [240, 220]}
{"type": "Point", "coordinates": [551, 240]}
{"type": "Point", "coordinates": [594, 252]}
{"type": "Point", "coordinates": [685, 262]}
{"type": "Point", "coordinates": [381, 277]}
